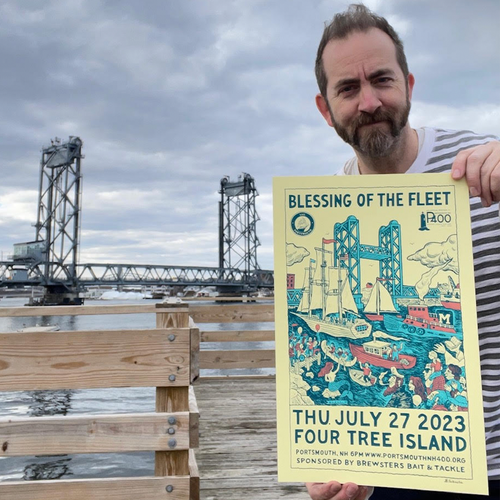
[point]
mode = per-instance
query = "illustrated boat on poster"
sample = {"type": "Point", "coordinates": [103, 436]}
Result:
{"type": "Point", "coordinates": [451, 299]}
{"type": "Point", "coordinates": [373, 352]}
{"type": "Point", "coordinates": [327, 304]}
{"type": "Point", "coordinates": [451, 303]}
{"type": "Point", "coordinates": [379, 303]}
{"type": "Point", "coordinates": [359, 377]}
{"type": "Point", "coordinates": [327, 351]}
{"type": "Point", "coordinates": [419, 322]}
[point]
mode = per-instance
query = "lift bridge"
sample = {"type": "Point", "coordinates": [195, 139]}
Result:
{"type": "Point", "coordinates": [350, 251]}
{"type": "Point", "coordinates": [51, 260]}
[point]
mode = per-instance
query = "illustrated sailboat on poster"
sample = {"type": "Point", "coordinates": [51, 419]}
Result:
{"type": "Point", "coordinates": [380, 302]}
{"type": "Point", "coordinates": [327, 304]}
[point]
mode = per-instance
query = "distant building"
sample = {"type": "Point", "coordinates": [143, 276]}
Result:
{"type": "Point", "coordinates": [290, 281]}
{"type": "Point", "coordinates": [31, 250]}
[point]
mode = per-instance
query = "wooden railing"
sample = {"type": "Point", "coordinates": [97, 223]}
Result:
{"type": "Point", "coordinates": [225, 359]}
{"type": "Point", "coordinates": [158, 357]}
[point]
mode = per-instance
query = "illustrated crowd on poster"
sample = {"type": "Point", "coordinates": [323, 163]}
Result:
{"type": "Point", "coordinates": [375, 349]}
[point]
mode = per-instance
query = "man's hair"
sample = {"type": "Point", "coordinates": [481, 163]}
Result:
{"type": "Point", "coordinates": [356, 18]}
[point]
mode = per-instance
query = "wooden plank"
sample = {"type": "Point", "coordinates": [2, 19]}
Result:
{"type": "Point", "coordinates": [237, 336]}
{"type": "Point", "coordinates": [259, 487]}
{"type": "Point", "coordinates": [237, 454]}
{"type": "Point", "coordinates": [143, 488]}
{"type": "Point", "coordinates": [172, 315]}
{"type": "Point", "coordinates": [225, 377]}
{"type": "Point", "coordinates": [92, 434]}
{"type": "Point", "coordinates": [222, 298]}
{"type": "Point", "coordinates": [175, 462]}
{"type": "Point", "coordinates": [173, 399]}
{"type": "Point", "coordinates": [194, 477]}
{"type": "Point", "coordinates": [233, 313]}
{"type": "Point", "coordinates": [194, 420]}
{"type": "Point", "coordinates": [91, 359]}
{"type": "Point", "coordinates": [259, 358]}
{"type": "Point", "coordinates": [195, 354]}
{"type": "Point", "coordinates": [76, 310]}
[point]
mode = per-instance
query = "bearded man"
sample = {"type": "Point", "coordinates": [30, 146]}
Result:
{"type": "Point", "coordinates": [365, 95]}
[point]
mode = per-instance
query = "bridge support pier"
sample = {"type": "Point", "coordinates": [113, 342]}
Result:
{"type": "Point", "coordinates": [58, 295]}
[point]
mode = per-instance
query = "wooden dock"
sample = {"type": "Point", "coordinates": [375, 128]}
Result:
{"type": "Point", "coordinates": [237, 453]}
{"type": "Point", "coordinates": [229, 423]}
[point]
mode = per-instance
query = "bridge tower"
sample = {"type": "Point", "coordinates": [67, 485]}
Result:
{"type": "Point", "coordinates": [349, 251]}
{"type": "Point", "coordinates": [391, 268]}
{"type": "Point", "coordinates": [58, 221]}
{"type": "Point", "coordinates": [238, 217]}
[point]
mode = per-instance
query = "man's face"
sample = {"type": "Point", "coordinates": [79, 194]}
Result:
{"type": "Point", "coordinates": [368, 98]}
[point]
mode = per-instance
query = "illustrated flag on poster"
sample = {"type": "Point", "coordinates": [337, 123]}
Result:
{"type": "Point", "coordinates": [377, 356]}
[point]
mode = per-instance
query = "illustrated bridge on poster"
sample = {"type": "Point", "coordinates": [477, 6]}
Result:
{"type": "Point", "coordinates": [349, 251]}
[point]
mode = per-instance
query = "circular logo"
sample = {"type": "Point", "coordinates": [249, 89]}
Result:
{"type": "Point", "coordinates": [302, 224]}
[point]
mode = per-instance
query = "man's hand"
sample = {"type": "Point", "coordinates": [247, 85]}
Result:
{"type": "Point", "coordinates": [337, 491]}
{"type": "Point", "coordinates": [481, 167]}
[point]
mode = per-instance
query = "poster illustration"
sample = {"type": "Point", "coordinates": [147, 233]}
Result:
{"type": "Point", "coordinates": [377, 357]}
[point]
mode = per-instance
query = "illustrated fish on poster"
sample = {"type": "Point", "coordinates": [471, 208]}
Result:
{"type": "Point", "coordinates": [378, 374]}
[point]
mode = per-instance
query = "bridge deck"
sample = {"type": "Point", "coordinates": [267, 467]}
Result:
{"type": "Point", "coordinates": [237, 454]}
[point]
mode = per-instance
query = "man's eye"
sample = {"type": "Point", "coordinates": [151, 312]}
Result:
{"type": "Point", "coordinates": [346, 90]}
{"type": "Point", "coordinates": [383, 79]}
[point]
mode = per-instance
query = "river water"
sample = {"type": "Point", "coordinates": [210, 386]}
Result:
{"type": "Point", "coordinates": [101, 401]}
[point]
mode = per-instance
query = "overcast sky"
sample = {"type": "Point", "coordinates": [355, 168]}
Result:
{"type": "Point", "coordinates": [169, 96]}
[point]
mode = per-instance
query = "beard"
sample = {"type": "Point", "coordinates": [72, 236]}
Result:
{"type": "Point", "coordinates": [375, 142]}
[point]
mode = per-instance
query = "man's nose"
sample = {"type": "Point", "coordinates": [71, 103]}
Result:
{"type": "Point", "coordinates": [368, 100]}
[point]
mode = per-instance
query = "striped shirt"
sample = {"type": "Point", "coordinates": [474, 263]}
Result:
{"type": "Point", "coordinates": [437, 150]}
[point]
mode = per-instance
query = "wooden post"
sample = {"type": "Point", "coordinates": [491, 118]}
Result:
{"type": "Point", "coordinates": [172, 399]}
{"type": "Point", "coordinates": [195, 354]}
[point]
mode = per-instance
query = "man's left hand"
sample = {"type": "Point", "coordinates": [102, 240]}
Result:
{"type": "Point", "coordinates": [481, 167]}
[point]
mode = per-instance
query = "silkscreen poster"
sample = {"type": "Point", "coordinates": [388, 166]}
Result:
{"type": "Point", "coordinates": [378, 374]}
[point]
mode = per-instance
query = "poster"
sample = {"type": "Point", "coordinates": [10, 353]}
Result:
{"type": "Point", "coordinates": [378, 375]}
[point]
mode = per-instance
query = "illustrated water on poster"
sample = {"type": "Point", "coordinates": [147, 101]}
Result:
{"type": "Point", "coordinates": [378, 374]}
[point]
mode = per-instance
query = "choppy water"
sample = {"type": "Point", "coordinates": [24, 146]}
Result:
{"type": "Point", "coordinates": [102, 401]}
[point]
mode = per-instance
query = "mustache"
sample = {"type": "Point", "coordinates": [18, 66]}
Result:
{"type": "Point", "coordinates": [378, 116]}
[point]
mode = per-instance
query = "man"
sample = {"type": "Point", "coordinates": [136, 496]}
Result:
{"type": "Point", "coordinates": [365, 94]}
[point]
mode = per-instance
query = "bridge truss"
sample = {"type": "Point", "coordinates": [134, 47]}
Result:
{"type": "Point", "coordinates": [52, 259]}
{"type": "Point", "coordinates": [33, 273]}
{"type": "Point", "coordinates": [58, 223]}
{"type": "Point", "coordinates": [238, 218]}
{"type": "Point", "coordinates": [349, 251]}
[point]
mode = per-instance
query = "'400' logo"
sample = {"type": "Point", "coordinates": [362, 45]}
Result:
{"type": "Point", "coordinates": [302, 224]}
{"type": "Point", "coordinates": [430, 218]}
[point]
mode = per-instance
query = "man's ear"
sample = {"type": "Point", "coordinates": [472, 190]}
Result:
{"type": "Point", "coordinates": [411, 83]}
{"type": "Point", "coordinates": [322, 106]}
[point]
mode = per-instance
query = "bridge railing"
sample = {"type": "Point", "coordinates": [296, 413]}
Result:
{"type": "Point", "coordinates": [233, 313]}
{"type": "Point", "coordinates": [157, 357]}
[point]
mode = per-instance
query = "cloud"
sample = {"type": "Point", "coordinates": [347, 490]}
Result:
{"type": "Point", "coordinates": [170, 98]}
{"type": "Point", "coordinates": [17, 208]}
{"type": "Point", "coordinates": [295, 254]}
{"type": "Point", "coordinates": [435, 254]}
{"type": "Point", "coordinates": [481, 118]}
